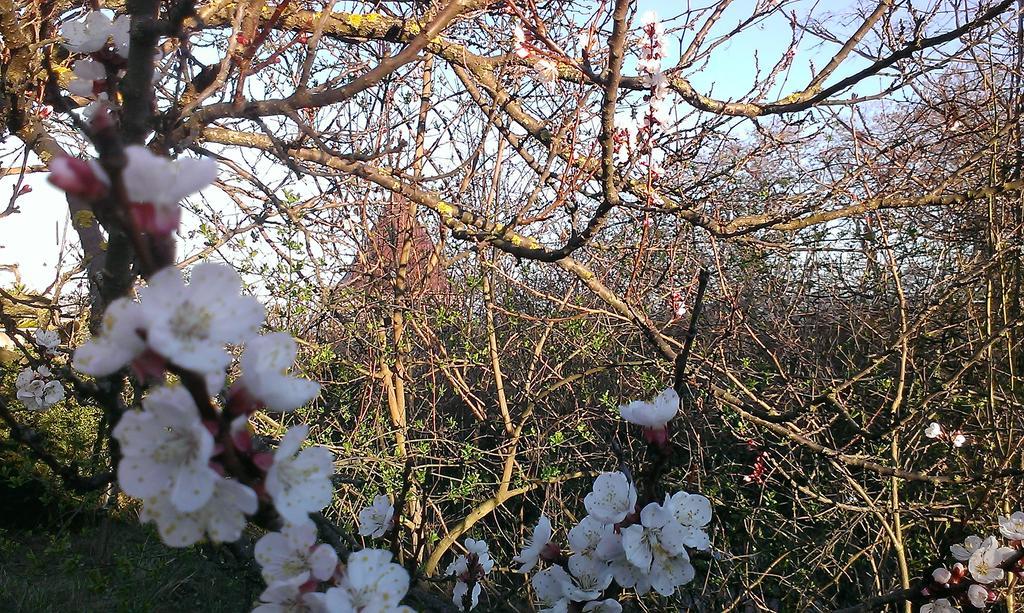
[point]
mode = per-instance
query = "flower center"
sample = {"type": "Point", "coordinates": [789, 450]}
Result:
{"type": "Point", "coordinates": [191, 322]}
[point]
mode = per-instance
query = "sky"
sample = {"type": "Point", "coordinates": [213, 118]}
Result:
{"type": "Point", "coordinates": [32, 237]}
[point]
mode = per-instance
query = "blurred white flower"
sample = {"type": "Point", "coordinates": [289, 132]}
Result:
{"type": "Point", "coordinates": [978, 595]}
{"type": "Point", "coordinates": [222, 517]}
{"type": "Point", "coordinates": [934, 430]}
{"type": "Point", "coordinates": [299, 482]}
{"type": "Point", "coordinates": [370, 582]}
{"type": "Point", "coordinates": [166, 448]}
{"type": "Point", "coordinates": [293, 552]}
{"type": "Point", "coordinates": [265, 365]}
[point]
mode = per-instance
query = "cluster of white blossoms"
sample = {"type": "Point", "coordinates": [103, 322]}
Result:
{"type": "Point", "coordinates": [631, 138]}
{"type": "Point", "coordinates": [642, 551]}
{"type": "Point", "coordinates": [981, 564]}
{"type": "Point", "coordinates": [469, 569]}
{"type": "Point", "coordinates": [93, 35]}
{"type": "Point", "coordinates": [188, 453]}
{"type": "Point", "coordinates": [37, 390]}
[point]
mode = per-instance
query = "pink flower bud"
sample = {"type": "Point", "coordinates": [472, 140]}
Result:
{"type": "Point", "coordinates": [550, 552]}
{"type": "Point", "coordinates": [78, 177]}
{"type": "Point", "coordinates": [155, 220]}
{"type": "Point", "coordinates": [942, 575]}
{"type": "Point", "coordinates": [24, 190]}
{"type": "Point", "coordinates": [149, 366]}
{"type": "Point", "coordinates": [657, 436]}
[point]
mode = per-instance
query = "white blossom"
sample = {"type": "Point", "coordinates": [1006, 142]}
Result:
{"type": "Point", "coordinates": [552, 586]}
{"type": "Point", "coordinates": [612, 499]}
{"type": "Point", "coordinates": [964, 551]}
{"type": "Point", "coordinates": [585, 538]}
{"type": "Point", "coordinates": [942, 605]}
{"type": "Point", "coordinates": [89, 35]}
{"type": "Point", "coordinates": [693, 512]}
{"type": "Point", "coordinates": [1012, 527]}
{"type": "Point", "coordinates": [117, 344]}
{"type": "Point", "coordinates": [299, 482]}
{"type": "Point", "coordinates": [656, 547]}
{"type": "Point", "coordinates": [934, 430]}
{"type": "Point", "coordinates": [222, 517]}
{"type": "Point", "coordinates": [288, 597]}
{"type": "Point", "coordinates": [959, 440]}
{"type": "Point", "coordinates": [608, 605]}
{"type": "Point", "coordinates": [590, 578]}
{"type": "Point", "coordinates": [978, 595]}
{"type": "Point", "coordinates": [459, 595]}
{"type": "Point", "coordinates": [370, 583]}
{"type": "Point", "coordinates": [547, 73]}
{"type": "Point", "coordinates": [528, 558]}
{"type": "Point", "coordinates": [942, 575]}
{"type": "Point", "coordinates": [293, 552]}
{"type": "Point", "coordinates": [265, 364]}
{"type": "Point", "coordinates": [474, 547]}
{"type": "Point", "coordinates": [653, 414]}
{"type": "Point", "coordinates": [164, 182]}
{"type": "Point", "coordinates": [86, 72]}
{"type": "Point", "coordinates": [186, 324]}
{"type": "Point", "coordinates": [48, 340]}
{"type": "Point", "coordinates": [984, 562]}
{"type": "Point", "coordinates": [166, 447]}
{"type": "Point", "coordinates": [191, 324]}
{"type": "Point", "coordinates": [376, 519]}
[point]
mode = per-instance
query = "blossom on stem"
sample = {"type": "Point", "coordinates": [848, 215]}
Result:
{"type": "Point", "coordinates": [88, 75]}
{"type": "Point", "coordinates": [293, 552]}
{"type": "Point", "coordinates": [155, 185]}
{"type": "Point", "coordinates": [378, 518]}
{"type": "Point", "coordinates": [528, 558]}
{"type": "Point", "coordinates": [942, 605]}
{"type": "Point", "coordinates": [984, 562]}
{"type": "Point", "coordinates": [92, 33]}
{"type": "Point", "coordinates": [1012, 527]}
{"type": "Point", "coordinates": [963, 552]}
{"type": "Point", "coordinates": [47, 340]}
{"type": "Point", "coordinates": [188, 325]}
{"type": "Point", "coordinates": [370, 583]}
{"type": "Point", "coordinates": [265, 364]}
{"type": "Point", "coordinates": [81, 178]}
{"type": "Point", "coordinates": [222, 517]}
{"type": "Point", "coordinates": [166, 448]}
{"type": "Point", "coordinates": [299, 482]}
{"type": "Point", "coordinates": [653, 415]}
{"type": "Point", "coordinates": [612, 499]}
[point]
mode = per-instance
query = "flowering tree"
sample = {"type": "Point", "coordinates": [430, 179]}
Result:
{"type": "Point", "coordinates": [466, 210]}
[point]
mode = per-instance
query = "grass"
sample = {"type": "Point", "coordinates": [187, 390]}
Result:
{"type": "Point", "coordinates": [117, 566]}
